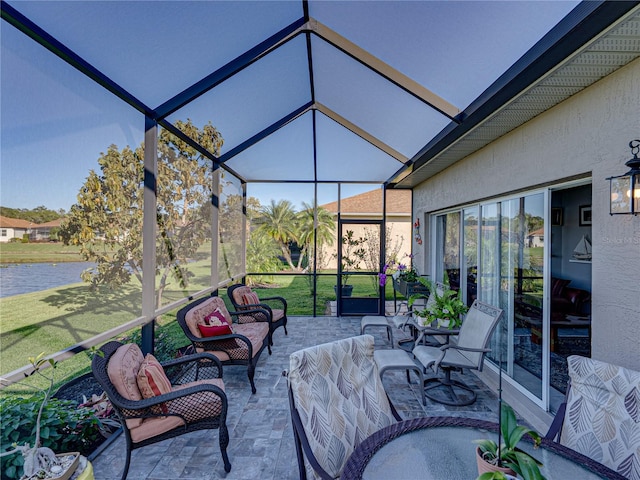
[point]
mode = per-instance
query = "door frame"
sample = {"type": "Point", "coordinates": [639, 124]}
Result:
{"type": "Point", "coordinates": [360, 305]}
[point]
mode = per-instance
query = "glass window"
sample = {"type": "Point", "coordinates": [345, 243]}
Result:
{"type": "Point", "coordinates": [184, 213]}
{"type": "Point", "coordinates": [230, 227]}
{"type": "Point", "coordinates": [448, 248]}
{"type": "Point", "coordinates": [74, 151]}
{"type": "Point", "coordinates": [470, 263]}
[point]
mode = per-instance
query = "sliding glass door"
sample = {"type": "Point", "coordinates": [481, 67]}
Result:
{"type": "Point", "coordinates": [497, 256]}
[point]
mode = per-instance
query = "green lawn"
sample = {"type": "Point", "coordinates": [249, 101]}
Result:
{"type": "Point", "coordinates": [51, 320]}
{"type": "Point", "coordinates": [51, 252]}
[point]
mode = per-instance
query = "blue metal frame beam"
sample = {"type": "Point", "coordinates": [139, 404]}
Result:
{"type": "Point", "coordinates": [231, 68]}
{"type": "Point", "coordinates": [384, 70]}
{"type": "Point", "coordinates": [266, 132]}
{"type": "Point", "coordinates": [352, 127]}
{"type": "Point", "coordinates": [185, 138]}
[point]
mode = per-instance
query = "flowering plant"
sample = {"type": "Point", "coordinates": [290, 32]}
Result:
{"type": "Point", "coordinates": [408, 274]}
{"type": "Point", "coordinates": [382, 276]}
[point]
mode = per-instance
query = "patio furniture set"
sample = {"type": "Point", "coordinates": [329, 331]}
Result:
{"type": "Point", "coordinates": [345, 425]}
{"type": "Point", "coordinates": [159, 401]}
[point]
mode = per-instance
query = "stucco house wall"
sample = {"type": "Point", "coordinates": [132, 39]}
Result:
{"type": "Point", "coordinates": [585, 136]}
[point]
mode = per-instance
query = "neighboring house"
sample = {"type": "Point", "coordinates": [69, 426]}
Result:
{"type": "Point", "coordinates": [13, 228]}
{"type": "Point", "coordinates": [16, 228]}
{"type": "Point", "coordinates": [536, 238]}
{"type": "Point", "coordinates": [368, 206]}
{"type": "Point", "coordinates": [42, 231]}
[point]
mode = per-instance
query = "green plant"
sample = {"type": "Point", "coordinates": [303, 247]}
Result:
{"type": "Point", "coordinates": [445, 306]}
{"type": "Point", "coordinates": [508, 454]}
{"type": "Point", "coordinates": [353, 254]}
{"type": "Point", "coordinates": [50, 422]}
{"type": "Point", "coordinates": [492, 476]}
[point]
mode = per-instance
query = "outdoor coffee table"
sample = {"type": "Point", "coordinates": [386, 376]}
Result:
{"type": "Point", "coordinates": [442, 448]}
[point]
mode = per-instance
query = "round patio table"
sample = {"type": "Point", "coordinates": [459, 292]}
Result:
{"type": "Point", "coordinates": [442, 448]}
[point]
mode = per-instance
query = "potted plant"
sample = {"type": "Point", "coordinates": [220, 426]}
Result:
{"type": "Point", "coordinates": [499, 459]}
{"type": "Point", "coordinates": [446, 308]}
{"type": "Point", "coordinates": [353, 254]}
{"type": "Point", "coordinates": [41, 462]}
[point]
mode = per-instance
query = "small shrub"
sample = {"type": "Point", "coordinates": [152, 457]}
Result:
{"type": "Point", "coordinates": [64, 428]}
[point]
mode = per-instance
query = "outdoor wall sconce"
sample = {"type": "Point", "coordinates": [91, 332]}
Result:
{"type": "Point", "coordinates": [625, 189]}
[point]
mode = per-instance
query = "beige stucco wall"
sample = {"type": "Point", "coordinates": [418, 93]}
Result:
{"type": "Point", "coordinates": [588, 134]}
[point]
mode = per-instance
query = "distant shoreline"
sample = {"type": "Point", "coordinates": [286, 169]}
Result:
{"type": "Point", "coordinates": [49, 252]}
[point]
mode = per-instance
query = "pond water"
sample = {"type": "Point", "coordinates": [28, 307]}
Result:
{"type": "Point", "coordinates": [19, 278]}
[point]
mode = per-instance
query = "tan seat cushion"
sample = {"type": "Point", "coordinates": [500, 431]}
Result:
{"type": "Point", "coordinates": [123, 372]}
{"type": "Point", "coordinates": [277, 314]}
{"type": "Point", "coordinates": [181, 411]}
{"type": "Point", "coordinates": [255, 332]}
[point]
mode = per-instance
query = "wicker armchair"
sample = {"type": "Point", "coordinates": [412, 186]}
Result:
{"type": "Point", "coordinates": [276, 306]}
{"type": "Point", "coordinates": [251, 333]}
{"type": "Point", "coordinates": [196, 399]}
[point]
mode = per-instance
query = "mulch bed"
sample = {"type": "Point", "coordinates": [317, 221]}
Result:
{"type": "Point", "coordinates": [76, 390]}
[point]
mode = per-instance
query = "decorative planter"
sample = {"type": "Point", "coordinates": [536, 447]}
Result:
{"type": "Point", "coordinates": [70, 464]}
{"type": "Point", "coordinates": [444, 323]}
{"type": "Point", "coordinates": [484, 466]}
{"type": "Point", "coordinates": [410, 288]}
{"type": "Point", "coordinates": [85, 470]}
{"type": "Point", "coordinates": [346, 290]}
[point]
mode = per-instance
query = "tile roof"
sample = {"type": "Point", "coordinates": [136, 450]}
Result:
{"type": "Point", "coordinates": [6, 222]}
{"type": "Point", "coordinates": [398, 202]}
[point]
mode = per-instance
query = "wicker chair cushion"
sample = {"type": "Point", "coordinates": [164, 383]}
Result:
{"type": "Point", "coordinates": [244, 296]}
{"type": "Point", "coordinates": [237, 350]}
{"type": "Point", "coordinates": [602, 419]}
{"type": "Point", "coordinates": [250, 298]}
{"type": "Point", "coordinates": [197, 315]}
{"type": "Point", "coordinates": [277, 314]}
{"type": "Point", "coordinates": [123, 372]}
{"type": "Point", "coordinates": [152, 381]}
{"type": "Point", "coordinates": [239, 293]}
{"type": "Point", "coordinates": [340, 399]}
{"type": "Point", "coordinates": [190, 409]}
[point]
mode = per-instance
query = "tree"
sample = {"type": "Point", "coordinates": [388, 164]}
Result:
{"type": "Point", "coordinates": [39, 214]}
{"type": "Point", "coordinates": [107, 220]}
{"type": "Point", "coordinates": [323, 230]}
{"type": "Point", "coordinates": [278, 221]}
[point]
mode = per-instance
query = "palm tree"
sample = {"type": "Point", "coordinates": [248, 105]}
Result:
{"type": "Point", "coordinates": [278, 221]}
{"type": "Point", "coordinates": [324, 230]}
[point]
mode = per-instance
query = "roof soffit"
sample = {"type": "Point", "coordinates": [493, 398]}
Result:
{"type": "Point", "coordinates": [615, 46]}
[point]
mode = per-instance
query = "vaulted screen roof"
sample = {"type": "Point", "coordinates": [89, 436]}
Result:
{"type": "Point", "coordinates": [337, 91]}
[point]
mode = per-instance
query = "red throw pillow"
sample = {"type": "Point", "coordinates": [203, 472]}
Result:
{"type": "Point", "coordinates": [250, 298]}
{"type": "Point", "coordinates": [214, 330]}
{"type": "Point", "coordinates": [152, 381]}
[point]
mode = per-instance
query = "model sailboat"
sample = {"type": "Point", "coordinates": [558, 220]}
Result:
{"type": "Point", "coordinates": [582, 250]}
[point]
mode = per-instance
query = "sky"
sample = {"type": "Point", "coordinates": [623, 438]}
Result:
{"type": "Point", "coordinates": [54, 122]}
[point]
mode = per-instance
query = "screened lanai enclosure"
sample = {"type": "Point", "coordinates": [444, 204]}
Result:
{"type": "Point", "coordinates": [193, 145]}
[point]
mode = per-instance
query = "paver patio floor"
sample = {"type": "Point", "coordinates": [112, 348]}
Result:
{"type": "Point", "coordinates": [261, 438]}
